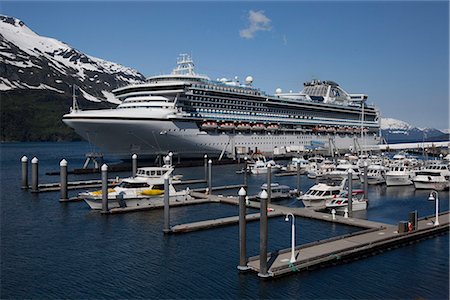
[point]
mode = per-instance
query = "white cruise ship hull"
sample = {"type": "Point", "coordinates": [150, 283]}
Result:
{"type": "Point", "coordinates": [152, 135]}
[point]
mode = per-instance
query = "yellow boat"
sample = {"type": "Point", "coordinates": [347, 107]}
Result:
{"type": "Point", "coordinates": [99, 192]}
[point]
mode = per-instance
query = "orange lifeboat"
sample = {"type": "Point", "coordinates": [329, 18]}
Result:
{"type": "Point", "coordinates": [258, 127]}
{"type": "Point", "coordinates": [273, 127]}
{"type": "Point", "coordinates": [243, 127]}
{"type": "Point", "coordinates": [227, 126]}
{"type": "Point", "coordinates": [209, 126]}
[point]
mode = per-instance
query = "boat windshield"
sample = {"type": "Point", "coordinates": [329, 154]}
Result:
{"type": "Point", "coordinates": [133, 185]}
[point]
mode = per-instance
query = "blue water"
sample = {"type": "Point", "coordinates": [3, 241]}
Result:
{"type": "Point", "coordinates": [54, 250]}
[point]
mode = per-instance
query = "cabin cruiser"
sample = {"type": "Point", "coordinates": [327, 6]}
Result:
{"type": "Point", "coordinates": [399, 175]}
{"type": "Point", "coordinates": [376, 174]}
{"type": "Point", "coordinates": [298, 162]}
{"type": "Point", "coordinates": [323, 169]}
{"type": "Point", "coordinates": [261, 167]}
{"type": "Point", "coordinates": [144, 189]}
{"type": "Point", "coordinates": [430, 180]}
{"type": "Point", "coordinates": [327, 188]}
{"type": "Point", "coordinates": [341, 202]}
{"type": "Point", "coordinates": [342, 171]}
{"type": "Point", "coordinates": [277, 191]}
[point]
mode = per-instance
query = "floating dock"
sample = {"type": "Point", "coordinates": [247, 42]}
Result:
{"type": "Point", "coordinates": [353, 246]}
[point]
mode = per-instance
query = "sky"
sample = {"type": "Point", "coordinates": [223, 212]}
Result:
{"type": "Point", "coordinates": [396, 52]}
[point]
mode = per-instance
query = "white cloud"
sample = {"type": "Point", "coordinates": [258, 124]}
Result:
{"type": "Point", "coordinates": [257, 22]}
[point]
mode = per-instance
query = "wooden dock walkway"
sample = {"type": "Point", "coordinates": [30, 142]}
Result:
{"type": "Point", "coordinates": [352, 246]}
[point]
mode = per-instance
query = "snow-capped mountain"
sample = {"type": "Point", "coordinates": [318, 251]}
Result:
{"type": "Point", "coordinates": [394, 131]}
{"type": "Point", "coordinates": [31, 61]}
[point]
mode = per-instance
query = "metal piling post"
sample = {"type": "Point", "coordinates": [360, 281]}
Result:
{"type": "Point", "coordinates": [205, 163]}
{"type": "Point", "coordinates": [104, 169]}
{"type": "Point", "coordinates": [166, 228]}
{"type": "Point", "coordinates": [263, 235]}
{"type": "Point", "coordinates": [63, 180]}
{"type": "Point", "coordinates": [24, 162]}
{"type": "Point", "coordinates": [365, 184]}
{"type": "Point", "coordinates": [210, 177]}
{"type": "Point", "coordinates": [245, 171]}
{"type": "Point", "coordinates": [269, 183]}
{"type": "Point", "coordinates": [298, 178]}
{"type": "Point", "coordinates": [350, 192]}
{"type": "Point", "coordinates": [34, 175]}
{"type": "Point", "coordinates": [134, 164]}
{"type": "Point", "coordinates": [242, 231]}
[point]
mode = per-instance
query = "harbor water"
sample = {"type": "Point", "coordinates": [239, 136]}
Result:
{"type": "Point", "coordinates": [65, 250]}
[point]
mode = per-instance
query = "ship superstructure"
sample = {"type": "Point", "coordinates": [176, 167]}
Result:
{"type": "Point", "coordinates": [190, 115]}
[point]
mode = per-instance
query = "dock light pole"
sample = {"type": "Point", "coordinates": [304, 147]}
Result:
{"type": "Point", "coordinates": [242, 231]}
{"type": "Point", "coordinates": [263, 235]}
{"type": "Point", "coordinates": [24, 161]}
{"type": "Point", "coordinates": [292, 260]}
{"type": "Point", "coordinates": [434, 196]}
{"type": "Point", "coordinates": [350, 192]}
{"type": "Point", "coordinates": [134, 164]}
{"type": "Point", "coordinates": [104, 170]}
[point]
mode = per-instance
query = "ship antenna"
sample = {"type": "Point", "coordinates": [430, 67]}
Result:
{"type": "Point", "coordinates": [74, 99]}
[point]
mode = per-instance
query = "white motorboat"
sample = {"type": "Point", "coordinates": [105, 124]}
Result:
{"type": "Point", "coordinates": [399, 175]}
{"type": "Point", "coordinates": [298, 162]}
{"type": "Point", "coordinates": [430, 180]}
{"type": "Point", "coordinates": [342, 171]}
{"type": "Point", "coordinates": [341, 202]}
{"type": "Point", "coordinates": [277, 191]}
{"type": "Point", "coordinates": [321, 170]}
{"type": "Point", "coordinates": [376, 174]}
{"type": "Point", "coordinates": [261, 166]}
{"type": "Point", "coordinates": [145, 188]}
{"type": "Point", "coordinates": [326, 189]}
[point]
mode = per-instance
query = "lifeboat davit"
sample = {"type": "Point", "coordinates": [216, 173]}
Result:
{"type": "Point", "coordinates": [243, 127]}
{"type": "Point", "coordinates": [209, 126]}
{"type": "Point", "coordinates": [273, 127]}
{"type": "Point", "coordinates": [227, 126]}
{"type": "Point", "coordinates": [258, 127]}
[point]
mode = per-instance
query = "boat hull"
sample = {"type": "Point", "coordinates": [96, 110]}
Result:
{"type": "Point", "coordinates": [398, 180]}
{"type": "Point", "coordinates": [96, 203]}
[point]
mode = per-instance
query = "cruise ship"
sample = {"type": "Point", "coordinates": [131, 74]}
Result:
{"type": "Point", "coordinates": [190, 115]}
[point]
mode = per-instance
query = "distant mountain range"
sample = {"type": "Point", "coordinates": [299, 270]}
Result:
{"type": "Point", "coordinates": [30, 61]}
{"type": "Point", "coordinates": [397, 131]}
{"type": "Point", "coordinates": [37, 75]}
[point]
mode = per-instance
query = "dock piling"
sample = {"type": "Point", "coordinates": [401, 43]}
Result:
{"type": "Point", "coordinates": [365, 184]}
{"type": "Point", "coordinates": [63, 180]}
{"type": "Point", "coordinates": [134, 164]}
{"type": "Point", "coordinates": [350, 193]}
{"type": "Point", "coordinates": [245, 171]}
{"type": "Point", "coordinates": [269, 183]}
{"type": "Point", "coordinates": [34, 175]}
{"type": "Point", "coordinates": [104, 169]}
{"type": "Point", "coordinates": [205, 163]}
{"type": "Point", "coordinates": [209, 177]}
{"type": "Point", "coordinates": [242, 231]}
{"type": "Point", "coordinates": [24, 162]}
{"type": "Point", "coordinates": [298, 178]}
{"type": "Point", "coordinates": [263, 235]}
{"type": "Point", "coordinates": [166, 228]}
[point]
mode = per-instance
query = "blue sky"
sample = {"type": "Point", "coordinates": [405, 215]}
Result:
{"type": "Point", "coordinates": [396, 52]}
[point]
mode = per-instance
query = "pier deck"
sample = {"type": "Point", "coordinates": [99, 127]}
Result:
{"type": "Point", "coordinates": [346, 247]}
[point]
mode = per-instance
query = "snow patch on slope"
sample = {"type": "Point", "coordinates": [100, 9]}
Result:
{"type": "Point", "coordinates": [392, 124]}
